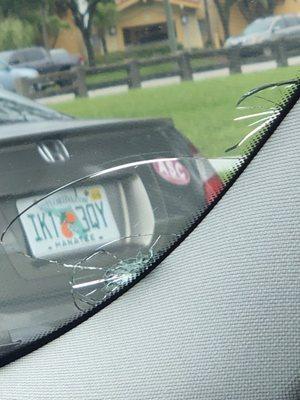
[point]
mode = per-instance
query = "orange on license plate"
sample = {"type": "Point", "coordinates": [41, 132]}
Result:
{"type": "Point", "coordinates": [68, 221]}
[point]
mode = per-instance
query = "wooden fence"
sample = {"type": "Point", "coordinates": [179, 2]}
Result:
{"type": "Point", "coordinates": [184, 64]}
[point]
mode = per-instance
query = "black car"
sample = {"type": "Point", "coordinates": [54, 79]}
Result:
{"type": "Point", "coordinates": [84, 206]}
{"type": "Point", "coordinates": [65, 60]}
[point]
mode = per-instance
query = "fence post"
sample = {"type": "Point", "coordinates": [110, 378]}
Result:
{"type": "Point", "coordinates": [79, 84]}
{"type": "Point", "coordinates": [24, 87]}
{"type": "Point", "coordinates": [234, 58]}
{"type": "Point", "coordinates": [280, 53]}
{"type": "Point", "coordinates": [185, 67]}
{"type": "Point", "coordinates": [134, 76]}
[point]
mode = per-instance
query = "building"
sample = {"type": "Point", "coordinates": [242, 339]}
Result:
{"type": "Point", "coordinates": [71, 38]}
{"type": "Point", "coordinates": [141, 22]}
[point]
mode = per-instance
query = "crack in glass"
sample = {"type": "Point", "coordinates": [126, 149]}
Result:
{"type": "Point", "coordinates": [71, 248]}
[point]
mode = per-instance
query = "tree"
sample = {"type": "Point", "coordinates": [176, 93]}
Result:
{"type": "Point", "coordinates": [256, 9]}
{"type": "Point", "coordinates": [210, 40]}
{"type": "Point", "coordinates": [47, 21]}
{"type": "Point", "coordinates": [41, 15]}
{"type": "Point", "coordinates": [84, 21]}
{"type": "Point", "coordinates": [224, 8]}
{"type": "Point", "coordinates": [43, 8]}
{"type": "Point", "coordinates": [19, 8]}
{"type": "Point", "coordinates": [15, 34]}
{"type": "Point", "coordinates": [105, 18]}
{"type": "Point", "coordinates": [170, 25]}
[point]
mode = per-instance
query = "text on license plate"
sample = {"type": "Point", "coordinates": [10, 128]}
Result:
{"type": "Point", "coordinates": [68, 221]}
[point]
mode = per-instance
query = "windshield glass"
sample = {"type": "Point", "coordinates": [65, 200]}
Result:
{"type": "Point", "coordinates": [13, 111]}
{"type": "Point", "coordinates": [116, 150]}
{"type": "Point", "coordinates": [259, 26]}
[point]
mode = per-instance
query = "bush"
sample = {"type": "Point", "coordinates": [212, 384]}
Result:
{"type": "Point", "coordinates": [137, 52]}
{"type": "Point", "coordinates": [15, 34]}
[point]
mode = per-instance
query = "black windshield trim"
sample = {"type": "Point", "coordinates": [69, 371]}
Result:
{"type": "Point", "coordinates": [30, 347]}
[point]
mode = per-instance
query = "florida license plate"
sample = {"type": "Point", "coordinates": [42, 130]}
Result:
{"type": "Point", "coordinates": [68, 221]}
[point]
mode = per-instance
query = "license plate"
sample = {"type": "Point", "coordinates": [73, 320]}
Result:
{"type": "Point", "coordinates": [68, 222]}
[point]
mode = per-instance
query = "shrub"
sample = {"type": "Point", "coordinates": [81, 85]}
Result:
{"type": "Point", "coordinates": [138, 52]}
{"type": "Point", "coordinates": [15, 34]}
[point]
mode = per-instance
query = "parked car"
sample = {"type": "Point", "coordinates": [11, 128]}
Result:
{"type": "Point", "coordinates": [33, 57]}
{"type": "Point", "coordinates": [264, 31]}
{"type": "Point", "coordinates": [44, 62]}
{"type": "Point", "coordinates": [9, 75]}
{"type": "Point", "coordinates": [41, 60]}
{"type": "Point", "coordinates": [112, 193]}
{"type": "Point", "coordinates": [65, 60]}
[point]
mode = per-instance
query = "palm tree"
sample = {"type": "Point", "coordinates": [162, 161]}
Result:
{"type": "Point", "coordinates": [224, 8]}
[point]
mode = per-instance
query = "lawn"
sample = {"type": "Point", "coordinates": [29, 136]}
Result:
{"type": "Point", "coordinates": [106, 77]}
{"type": "Point", "coordinates": [203, 111]}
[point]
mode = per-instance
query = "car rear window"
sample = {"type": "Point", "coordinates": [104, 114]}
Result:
{"type": "Point", "coordinates": [33, 55]}
{"type": "Point", "coordinates": [292, 21]}
{"type": "Point", "coordinates": [258, 26]}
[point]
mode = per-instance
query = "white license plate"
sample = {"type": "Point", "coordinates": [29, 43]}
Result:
{"type": "Point", "coordinates": [68, 221]}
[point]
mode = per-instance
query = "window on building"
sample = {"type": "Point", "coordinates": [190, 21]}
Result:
{"type": "Point", "coordinates": [145, 34]}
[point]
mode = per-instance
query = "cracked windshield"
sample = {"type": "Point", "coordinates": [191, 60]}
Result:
{"type": "Point", "coordinates": [121, 125]}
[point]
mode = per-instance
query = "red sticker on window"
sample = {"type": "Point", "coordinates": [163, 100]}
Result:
{"type": "Point", "coordinates": [173, 171]}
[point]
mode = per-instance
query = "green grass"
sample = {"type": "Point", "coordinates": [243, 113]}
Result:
{"type": "Point", "coordinates": [207, 61]}
{"type": "Point", "coordinates": [203, 111]}
{"type": "Point", "coordinates": [159, 69]}
{"type": "Point", "coordinates": [106, 77]}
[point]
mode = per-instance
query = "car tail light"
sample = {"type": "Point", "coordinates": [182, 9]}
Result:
{"type": "Point", "coordinates": [212, 182]}
{"type": "Point", "coordinates": [212, 187]}
{"type": "Point", "coordinates": [81, 60]}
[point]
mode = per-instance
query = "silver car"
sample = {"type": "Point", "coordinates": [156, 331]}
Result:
{"type": "Point", "coordinates": [267, 30]}
{"type": "Point", "coordinates": [9, 75]}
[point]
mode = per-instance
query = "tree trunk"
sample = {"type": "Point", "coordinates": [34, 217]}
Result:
{"type": "Point", "coordinates": [224, 14]}
{"type": "Point", "coordinates": [170, 26]}
{"type": "Point", "coordinates": [271, 4]}
{"type": "Point", "coordinates": [208, 24]}
{"type": "Point", "coordinates": [85, 30]}
{"type": "Point", "coordinates": [104, 43]}
{"type": "Point", "coordinates": [44, 26]}
{"type": "Point", "coordinates": [244, 9]}
{"type": "Point", "coordinates": [89, 47]}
